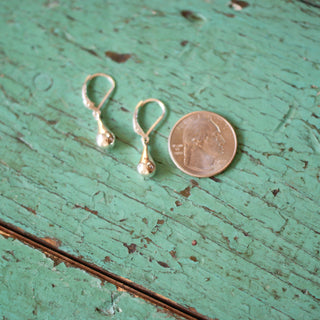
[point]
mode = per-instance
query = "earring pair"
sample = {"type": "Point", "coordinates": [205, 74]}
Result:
{"type": "Point", "coordinates": [105, 138]}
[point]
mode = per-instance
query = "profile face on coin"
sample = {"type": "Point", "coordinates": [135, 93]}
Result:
{"type": "Point", "coordinates": [202, 144]}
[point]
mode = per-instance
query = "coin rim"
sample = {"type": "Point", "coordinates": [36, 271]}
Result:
{"type": "Point", "coordinates": [202, 175]}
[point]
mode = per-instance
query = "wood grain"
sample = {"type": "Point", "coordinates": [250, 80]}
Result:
{"type": "Point", "coordinates": [256, 226]}
{"type": "Point", "coordinates": [49, 289]}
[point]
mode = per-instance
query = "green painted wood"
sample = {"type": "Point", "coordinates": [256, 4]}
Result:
{"type": "Point", "coordinates": [35, 287]}
{"type": "Point", "coordinates": [244, 245]}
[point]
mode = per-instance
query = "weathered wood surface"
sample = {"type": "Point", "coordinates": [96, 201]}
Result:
{"type": "Point", "coordinates": [244, 245]}
{"type": "Point", "coordinates": [33, 286]}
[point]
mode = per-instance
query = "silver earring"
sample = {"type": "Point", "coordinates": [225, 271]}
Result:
{"type": "Point", "coordinates": [146, 166]}
{"type": "Point", "coordinates": [105, 138]}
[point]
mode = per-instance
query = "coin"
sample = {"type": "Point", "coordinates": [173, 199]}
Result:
{"type": "Point", "coordinates": [202, 144]}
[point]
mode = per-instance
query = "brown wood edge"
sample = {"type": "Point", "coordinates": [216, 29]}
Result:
{"type": "Point", "coordinates": [8, 230]}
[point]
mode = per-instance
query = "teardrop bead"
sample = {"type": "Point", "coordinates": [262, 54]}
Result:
{"type": "Point", "coordinates": [105, 138]}
{"type": "Point", "coordinates": [146, 166]}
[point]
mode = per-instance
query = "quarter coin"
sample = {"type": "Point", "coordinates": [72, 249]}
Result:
{"type": "Point", "coordinates": [202, 144]}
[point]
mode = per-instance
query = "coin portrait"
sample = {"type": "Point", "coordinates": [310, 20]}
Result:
{"type": "Point", "coordinates": [202, 144]}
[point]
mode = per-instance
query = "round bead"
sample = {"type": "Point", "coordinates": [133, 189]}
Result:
{"type": "Point", "coordinates": [105, 140]}
{"type": "Point", "coordinates": [146, 169]}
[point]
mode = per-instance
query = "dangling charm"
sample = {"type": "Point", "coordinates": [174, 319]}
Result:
{"type": "Point", "coordinates": [105, 138]}
{"type": "Point", "coordinates": [146, 166]}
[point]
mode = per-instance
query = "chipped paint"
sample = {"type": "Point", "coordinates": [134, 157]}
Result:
{"type": "Point", "coordinates": [246, 66]}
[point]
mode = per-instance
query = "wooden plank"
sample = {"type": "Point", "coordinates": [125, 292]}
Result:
{"type": "Point", "coordinates": [33, 286]}
{"type": "Point", "coordinates": [242, 245]}
{"type": "Point", "coordinates": [49, 248]}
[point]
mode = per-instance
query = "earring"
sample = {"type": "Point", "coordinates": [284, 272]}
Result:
{"type": "Point", "coordinates": [146, 166]}
{"type": "Point", "coordinates": [105, 138]}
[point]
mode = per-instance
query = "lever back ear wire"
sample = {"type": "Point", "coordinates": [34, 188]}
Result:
{"type": "Point", "coordinates": [105, 138]}
{"type": "Point", "coordinates": [146, 166]}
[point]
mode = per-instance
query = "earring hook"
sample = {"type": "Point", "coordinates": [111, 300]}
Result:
{"type": "Point", "coordinates": [105, 137]}
{"type": "Point", "coordinates": [87, 102]}
{"type": "Point", "coordinates": [136, 126]}
{"type": "Point", "coordinates": [146, 166]}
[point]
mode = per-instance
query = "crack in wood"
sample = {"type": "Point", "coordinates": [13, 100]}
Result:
{"type": "Point", "coordinates": [59, 256]}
